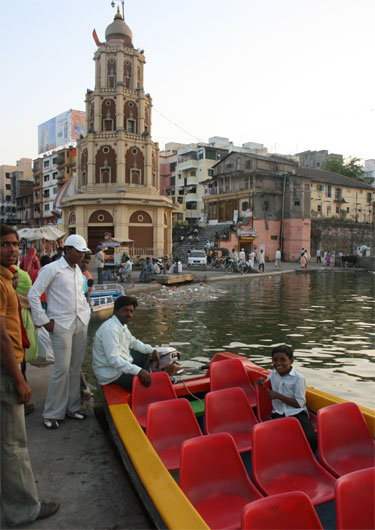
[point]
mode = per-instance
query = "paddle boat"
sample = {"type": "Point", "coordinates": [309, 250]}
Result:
{"type": "Point", "coordinates": [102, 299]}
{"type": "Point", "coordinates": [201, 453]}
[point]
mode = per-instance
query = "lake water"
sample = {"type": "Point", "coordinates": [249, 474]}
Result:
{"type": "Point", "coordinates": [326, 316]}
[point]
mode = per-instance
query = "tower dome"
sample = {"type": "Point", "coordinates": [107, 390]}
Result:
{"type": "Point", "coordinates": [118, 30]}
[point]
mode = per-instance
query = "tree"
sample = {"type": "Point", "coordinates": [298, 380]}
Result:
{"type": "Point", "coordinates": [351, 168]}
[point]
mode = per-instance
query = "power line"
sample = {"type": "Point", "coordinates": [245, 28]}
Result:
{"type": "Point", "coordinates": [176, 125]}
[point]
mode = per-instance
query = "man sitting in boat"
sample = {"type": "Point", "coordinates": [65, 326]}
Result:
{"type": "Point", "coordinates": [117, 355]}
{"type": "Point", "coordinates": [288, 393]}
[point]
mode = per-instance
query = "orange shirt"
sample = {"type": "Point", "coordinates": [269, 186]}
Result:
{"type": "Point", "coordinates": [9, 311]}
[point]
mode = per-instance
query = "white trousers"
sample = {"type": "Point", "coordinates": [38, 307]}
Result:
{"type": "Point", "coordinates": [64, 389]}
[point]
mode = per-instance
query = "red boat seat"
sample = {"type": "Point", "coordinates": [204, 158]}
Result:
{"type": "Point", "coordinates": [285, 511]}
{"type": "Point", "coordinates": [161, 389]}
{"type": "Point", "coordinates": [282, 461]}
{"type": "Point", "coordinates": [344, 439]}
{"type": "Point", "coordinates": [229, 411]}
{"type": "Point", "coordinates": [169, 423]}
{"type": "Point", "coordinates": [231, 373]}
{"type": "Point", "coordinates": [355, 500]}
{"type": "Point", "coordinates": [264, 404]}
{"type": "Point", "coordinates": [214, 478]}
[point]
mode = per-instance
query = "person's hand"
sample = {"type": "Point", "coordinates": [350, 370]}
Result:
{"type": "Point", "coordinates": [156, 357]}
{"type": "Point", "coordinates": [272, 394]}
{"type": "Point", "coordinates": [24, 391]}
{"type": "Point", "coordinates": [50, 326]}
{"type": "Point", "coordinates": [145, 378]}
{"type": "Point", "coordinates": [260, 381]}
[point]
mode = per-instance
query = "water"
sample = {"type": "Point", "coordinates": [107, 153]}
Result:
{"type": "Point", "coordinates": [326, 316]}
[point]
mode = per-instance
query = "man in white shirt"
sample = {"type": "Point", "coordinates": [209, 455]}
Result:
{"type": "Point", "coordinates": [125, 269]}
{"type": "Point", "coordinates": [278, 258]}
{"type": "Point", "coordinates": [66, 319]}
{"type": "Point", "coordinates": [261, 260]}
{"type": "Point", "coordinates": [242, 255]}
{"type": "Point", "coordinates": [176, 267]}
{"type": "Point", "coordinates": [100, 264]}
{"type": "Point", "coordinates": [117, 355]}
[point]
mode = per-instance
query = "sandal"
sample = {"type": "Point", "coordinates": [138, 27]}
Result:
{"type": "Point", "coordinates": [51, 424]}
{"type": "Point", "coordinates": [78, 415]}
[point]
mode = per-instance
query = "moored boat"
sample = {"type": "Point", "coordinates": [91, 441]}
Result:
{"type": "Point", "coordinates": [102, 299]}
{"type": "Point", "coordinates": [159, 489]}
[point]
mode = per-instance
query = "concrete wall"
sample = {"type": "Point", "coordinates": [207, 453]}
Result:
{"type": "Point", "coordinates": [342, 236]}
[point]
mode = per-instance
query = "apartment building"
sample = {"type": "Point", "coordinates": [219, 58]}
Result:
{"type": "Point", "coordinates": [316, 159]}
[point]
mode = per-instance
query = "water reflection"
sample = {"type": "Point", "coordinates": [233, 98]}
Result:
{"type": "Point", "coordinates": [327, 317]}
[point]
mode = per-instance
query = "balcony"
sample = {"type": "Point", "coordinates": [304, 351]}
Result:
{"type": "Point", "coordinates": [187, 164]}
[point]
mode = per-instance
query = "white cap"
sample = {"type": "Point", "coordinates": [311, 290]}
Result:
{"type": "Point", "coordinates": [77, 242]}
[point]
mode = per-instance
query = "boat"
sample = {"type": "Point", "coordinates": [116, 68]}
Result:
{"type": "Point", "coordinates": [158, 488]}
{"type": "Point", "coordinates": [173, 279]}
{"type": "Point", "coordinates": [102, 299]}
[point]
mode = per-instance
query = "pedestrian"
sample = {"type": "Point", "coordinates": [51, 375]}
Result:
{"type": "Point", "coordinates": [19, 496]}
{"type": "Point", "coordinates": [125, 269]}
{"type": "Point", "coordinates": [84, 266]}
{"type": "Point", "coordinates": [31, 264]}
{"type": "Point", "coordinates": [234, 258]}
{"type": "Point", "coordinates": [278, 258]}
{"type": "Point", "coordinates": [100, 263]}
{"type": "Point", "coordinates": [242, 255]}
{"type": "Point", "coordinates": [156, 266]}
{"type": "Point", "coordinates": [301, 253]}
{"type": "Point", "coordinates": [66, 319]}
{"type": "Point", "coordinates": [261, 260]}
{"type": "Point", "coordinates": [58, 255]}
{"type": "Point", "coordinates": [303, 261]}
{"type": "Point", "coordinates": [217, 239]}
{"type": "Point", "coordinates": [328, 259]}
{"type": "Point", "coordinates": [318, 258]}
{"type": "Point", "coordinates": [118, 356]}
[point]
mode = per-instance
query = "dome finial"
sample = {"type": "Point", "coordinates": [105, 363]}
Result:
{"type": "Point", "coordinates": [118, 15]}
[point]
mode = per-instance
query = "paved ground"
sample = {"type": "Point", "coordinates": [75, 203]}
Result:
{"type": "Point", "coordinates": [77, 463]}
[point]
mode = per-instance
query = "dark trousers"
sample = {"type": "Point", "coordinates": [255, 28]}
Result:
{"type": "Point", "coordinates": [306, 425]}
{"type": "Point", "coordinates": [100, 274]}
{"type": "Point", "coordinates": [261, 267]}
{"type": "Point", "coordinates": [140, 359]}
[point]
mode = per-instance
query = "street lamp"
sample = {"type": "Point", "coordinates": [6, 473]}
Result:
{"type": "Point", "coordinates": [113, 4]}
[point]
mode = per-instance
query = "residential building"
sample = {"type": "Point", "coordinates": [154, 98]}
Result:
{"type": "Point", "coordinates": [49, 187]}
{"type": "Point", "coordinates": [316, 159]}
{"type": "Point", "coordinates": [168, 164]}
{"type": "Point", "coordinates": [339, 197]}
{"type": "Point", "coordinates": [38, 190]}
{"type": "Point", "coordinates": [22, 171]}
{"type": "Point", "coordinates": [266, 200]}
{"type": "Point", "coordinates": [118, 179]}
{"type": "Point", "coordinates": [370, 172]}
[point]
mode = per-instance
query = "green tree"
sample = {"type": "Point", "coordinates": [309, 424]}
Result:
{"type": "Point", "coordinates": [351, 168]}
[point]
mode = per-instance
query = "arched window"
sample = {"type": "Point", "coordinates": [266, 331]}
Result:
{"type": "Point", "coordinates": [111, 72]}
{"type": "Point", "coordinates": [105, 165]}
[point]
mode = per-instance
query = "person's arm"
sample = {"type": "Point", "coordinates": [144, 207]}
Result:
{"type": "Point", "coordinates": [8, 359]}
{"type": "Point", "coordinates": [114, 347]}
{"type": "Point", "coordinates": [45, 277]}
{"type": "Point", "coordinates": [288, 400]}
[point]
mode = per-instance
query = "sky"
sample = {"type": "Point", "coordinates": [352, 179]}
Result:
{"type": "Point", "coordinates": [293, 75]}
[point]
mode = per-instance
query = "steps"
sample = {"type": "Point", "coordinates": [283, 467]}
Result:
{"type": "Point", "coordinates": [181, 248]}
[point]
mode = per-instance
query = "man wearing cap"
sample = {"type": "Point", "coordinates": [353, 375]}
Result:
{"type": "Point", "coordinates": [66, 319]}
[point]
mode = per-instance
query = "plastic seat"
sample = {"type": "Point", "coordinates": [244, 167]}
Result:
{"type": "Point", "coordinates": [344, 439]}
{"type": "Point", "coordinates": [161, 389]}
{"type": "Point", "coordinates": [229, 411]}
{"type": "Point", "coordinates": [214, 478]}
{"type": "Point", "coordinates": [231, 373]}
{"type": "Point", "coordinates": [355, 505]}
{"type": "Point", "coordinates": [169, 423]}
{"type": "Point", "coordinates": [285, 511]}
{"type": "Point", "coordinates": [282, 461]}
{"type": "Point", "coordinates": [264, 404]}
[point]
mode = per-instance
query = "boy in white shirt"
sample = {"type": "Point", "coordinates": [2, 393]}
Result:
{"type": "Point", "coordinates": [288, 392]}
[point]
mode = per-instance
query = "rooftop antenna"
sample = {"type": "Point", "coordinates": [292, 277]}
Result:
{"type": "Point", "coordinates": [113, 4]}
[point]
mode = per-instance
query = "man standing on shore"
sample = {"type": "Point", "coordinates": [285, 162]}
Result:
{"type": "Point", "coordinates": [100, 264]}
{"type": "Point", "coordinates": [278, 258]}
{"type": "Point", "coordinates": [67, 318]}
{"type": "Point", "coordinates": [19, 497]}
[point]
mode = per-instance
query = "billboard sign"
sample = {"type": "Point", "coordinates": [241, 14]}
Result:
{"type": "Point", "coordinates": [61, 130]}
{"type": "Point", "coordinates": [246, 231]}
